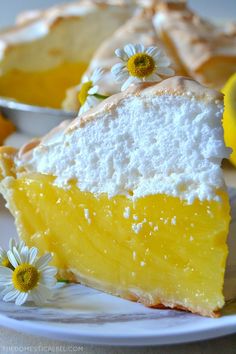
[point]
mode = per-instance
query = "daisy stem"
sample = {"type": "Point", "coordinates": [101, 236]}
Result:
{"type": "Point", "coordinates": [63, 281]}
{"type": "Point", "coordinates": [100, 97]}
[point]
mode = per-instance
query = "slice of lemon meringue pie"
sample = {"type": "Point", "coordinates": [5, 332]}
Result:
{"type": "Point", "coordinates": [130, 197]}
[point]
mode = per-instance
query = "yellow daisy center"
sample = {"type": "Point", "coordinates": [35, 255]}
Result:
{"type": "Point", "coordinates": [6, 263]}
{"type": "Point", "coordinates": [141, 65]}
{"type": "Point", "coordinates": [83, 94]}
{"type": "Point", "coordinates": [25, 277]}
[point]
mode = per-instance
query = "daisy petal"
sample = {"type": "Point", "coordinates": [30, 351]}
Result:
{"type": "Point", "coordinates": [41, 294]}
{"type": "Point", "coordinates": [43, 261]}
{"type": "Point", "coordinates": [122, 76]}
{"type": "Point", "coordinates": [21, 245]}
{"type": "Point", "coordinates": [11, 295]}
{"type": "Point", "coordinates": [7, 290]}
{"type": "Point", "coordinates": [153, 51]}
{"type": "Point", "coordinates": [92, 101]}
{"type": "Point", "coordinates": [21, 299]}
{"type": "Point", "coordinates": [84, 109]}
{"type": "Point", "coordinates": [165, 71]}
{"type": "Point", "coordinates": [129, 50]}
{"type": "Point", "coordinates": [44, 292]}
{"type": "Point", "coordinates": [131, 80]}
{"type": "Point", "coordinates": [120, 53]}
{"type": "Point", "coordinates": [6, 281]}
{"type": "Point", "coordinates": [117, 68]}
{"type": "Point", "coordinates": [17, 255]}
{"type": "Point", "coordinates": [154, 78]}
{"type": "Point", "coordinates": [139, 48]}
{"type": "Point", "coordinates": [12, 259]}
{"type": "Point", "coordinates": [50, 271]}
{"type": "Point", "coordinates": [23, 255]}
{"type": "Point", "coordinates": [93, 90]}
{"type": "Point", "coordinates": [97, 75]}
{"type": "Point", "coordinates": [5, 276]}
{"type": "Point", "coordinates": [48, 281]}
{"type": "Point", "coordinates": [162, 61]}
{"type": "Point", "coordinates": [5, 272]}
{"type": "Point", "coordinates": [36, 298]}
{"type": "Point", "coordinates": [33, 254]}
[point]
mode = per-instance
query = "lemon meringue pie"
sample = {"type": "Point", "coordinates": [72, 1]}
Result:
{"type": "Point", "coordinates": [48, 51]}
{"type": "Point", "coordinates": [130, 197]}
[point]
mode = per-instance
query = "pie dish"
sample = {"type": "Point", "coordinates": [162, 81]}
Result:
{"type": "Point", "coordinates": [130, 197]}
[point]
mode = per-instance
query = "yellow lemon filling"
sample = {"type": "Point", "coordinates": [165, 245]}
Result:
{"type": "Point", "coordinates": [157, 249]}
{"type": "Point", "coordinates": [43, 88]}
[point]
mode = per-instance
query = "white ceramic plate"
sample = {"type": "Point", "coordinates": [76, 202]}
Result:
{"type": "Point", "coordinates": [83, 315]}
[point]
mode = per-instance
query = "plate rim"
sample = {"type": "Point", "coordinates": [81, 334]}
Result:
{"type": "Point", "coordinates": [223, 326]}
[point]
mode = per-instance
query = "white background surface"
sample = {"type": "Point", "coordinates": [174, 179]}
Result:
{"type": "Point", "coordinates": [12, 342]}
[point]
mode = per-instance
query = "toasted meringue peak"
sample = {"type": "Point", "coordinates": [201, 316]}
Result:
{"type": "Point", "coordinates": [207, 50]}
{"type": "Point", "coordinates": [31, 44]}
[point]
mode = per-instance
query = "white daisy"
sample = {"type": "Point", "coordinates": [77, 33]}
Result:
{"type": "Point", "coordinates": [30, 276]}
{"type": "Point", "coordinates": [140, 64]}
{"type": "Point", "coordinates": [4, 261]}
{"type": "Point", "coordinates": [88, 94]}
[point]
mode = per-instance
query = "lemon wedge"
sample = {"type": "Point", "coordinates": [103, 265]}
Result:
{"type": "Point", "coordinates": [229, 117]}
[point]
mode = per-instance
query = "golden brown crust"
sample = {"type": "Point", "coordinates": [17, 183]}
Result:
{"type": "Point", "coordinates": [214, 314]}
{"type": "Point", "coordinates": [149, 300]}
